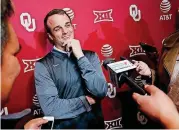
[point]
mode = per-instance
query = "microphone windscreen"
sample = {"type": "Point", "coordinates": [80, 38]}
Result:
{"type": "Point", "coordinates": [108, 61]}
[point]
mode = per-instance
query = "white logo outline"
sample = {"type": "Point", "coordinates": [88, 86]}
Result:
{"type": "Point", "coordinates": [111, 91]}
{"type": "Point", "coordinates": [26, 23]}
{"type": "Point", "coordinates": [165, 6]}
{"type": "Point", "coordinates": [134, 13]}
{"type": "Point", "coordinates": [107, 50]}
{"type": "Point", "coordinates": [27, 65]}
{"type": "Point", "coordinates": [133, 51]}
{"type": "Point", "coordinates": [100, 16]}
{"type": "Point", "coordinates": [109, 123]}
{"type": "Point", "coordinates": [70, 12]}
{"type": "Point", "coordinates": [4, 110]}
{"type": "Point", "coordinates": [141, 118]}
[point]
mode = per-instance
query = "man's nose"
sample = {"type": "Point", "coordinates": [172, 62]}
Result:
{"type": "Point", "coordinates": [64, 30]}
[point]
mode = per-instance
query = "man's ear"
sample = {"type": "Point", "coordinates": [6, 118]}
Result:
{"type": "Point", "coordinates": [50, 36]}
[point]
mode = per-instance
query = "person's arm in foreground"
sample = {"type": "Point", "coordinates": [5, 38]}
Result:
{"type": "Point", "coordinates": [35, 124]}
{"type": "Point", "coordinates": [143, 69]}
{"type": "Point", "coordinates": [158, 106]}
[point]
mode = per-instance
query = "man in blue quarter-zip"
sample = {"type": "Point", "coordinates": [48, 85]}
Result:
{"type": "Point", "coordinates": [69, 81]}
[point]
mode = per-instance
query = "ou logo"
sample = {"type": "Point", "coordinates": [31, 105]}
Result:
{"type": "Point", "coordinates": [26, 22]}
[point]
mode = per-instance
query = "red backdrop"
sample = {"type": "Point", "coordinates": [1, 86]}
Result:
{"type": "Point", "coordinates": [103, 26]}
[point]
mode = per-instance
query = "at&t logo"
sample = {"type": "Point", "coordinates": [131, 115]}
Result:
{"type": "Point", "coordinates": [37, 110]}
{"type": "Point", "coordinates": [71, 14]}
{"type": "Point", "coordinates": [106, 50]}
{"type": "Point", "coordinates": [165, 7]}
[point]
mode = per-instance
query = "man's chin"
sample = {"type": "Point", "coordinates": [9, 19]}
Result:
{"type": "Point", "coordinates": [67, 38]}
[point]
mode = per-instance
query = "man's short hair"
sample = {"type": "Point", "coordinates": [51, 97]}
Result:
{"type": "Point", "coordinates": [52, 12]}
{"type": "Point", "coordinates": [6, 12]}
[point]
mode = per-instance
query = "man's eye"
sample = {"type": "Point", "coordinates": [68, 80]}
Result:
{"type": "Point", "coordinates": [68, 25]}
{"type": "Point", "coordinates": [56, 29]}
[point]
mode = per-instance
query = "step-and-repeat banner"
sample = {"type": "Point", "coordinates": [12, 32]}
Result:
{"type": "Point", "coordinates": [111, 28]}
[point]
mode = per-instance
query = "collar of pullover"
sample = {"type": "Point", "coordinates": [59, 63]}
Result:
{"type": "Point", "coordinates": [59, 53]}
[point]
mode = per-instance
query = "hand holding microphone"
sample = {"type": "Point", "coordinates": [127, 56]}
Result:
{"type": "Point", "coordinates": [118, 72]}
{"type": "Point", "coordinates": [75, 46]}
{"type": "Point", "coordinates": [142, 68]}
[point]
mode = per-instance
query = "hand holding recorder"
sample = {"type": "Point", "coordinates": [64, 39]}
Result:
{"type": "Point", "coordinates": [35, 124]}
